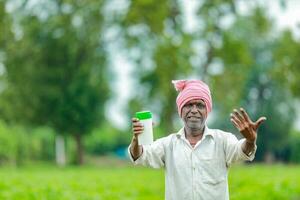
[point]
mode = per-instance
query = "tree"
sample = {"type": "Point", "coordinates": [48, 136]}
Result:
{"type": "Point", "coordinates": [287, 62]}
{"type": "Point", "coordinates": [247, 80]}
{"type": "Point", "coordinates": [164, 55]}
{"type": "Point", "coordinates": [57, 70]}
{"type": "Point", "coordinates": [5, 36]}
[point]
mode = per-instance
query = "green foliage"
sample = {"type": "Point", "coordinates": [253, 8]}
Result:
{"type": "Point", "coordinates": [55, 70]}
{"type": "Point", "coordinates": [165, 52]}
{"type": "Point", "coordinates": [247, 65]}
{"type": "Point", "coordinates": [44, 139]}
{"type": "Point", "coordinates": [106, 139]}
{"type": "Point", "coordinates": [245, 182]}
{"type": "Point", "coordinates": [293, 147]}
{"type": "Point", "coordinates": [7, 145]}
{"type": "Point", "coordinates": [65, 80]}
{"type": "Point", "coordinates": [278, 109]}
{"type": "Point", "coordinates": [246, 81]}
{"type": "Point", "coordinates": [141, 12]}
{"type": "Point", "coordinates": [287, 62]}
{"type": "Point", "coordinates": [5, 24]}
{"type": "Point", "coordinates": [19, 145]}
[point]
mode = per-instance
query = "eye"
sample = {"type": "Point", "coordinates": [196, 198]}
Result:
{"type": "Point", "coordinates": [188, 105]}
{"type": "Point", "coordinates": [200, 105]}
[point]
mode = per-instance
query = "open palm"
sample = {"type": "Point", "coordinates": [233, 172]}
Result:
{"type": "Point", "coordinates": [245, 125]}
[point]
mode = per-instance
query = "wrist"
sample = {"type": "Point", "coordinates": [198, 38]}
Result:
{"type": "Point", "coordinates": [249, 141]}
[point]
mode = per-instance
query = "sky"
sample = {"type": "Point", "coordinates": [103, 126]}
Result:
{"type": "Point", "coordinates": [289, 17]}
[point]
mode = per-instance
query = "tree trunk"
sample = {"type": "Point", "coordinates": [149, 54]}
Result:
{"type": "Point", "coordinates": [167, 119]}
{"type": "Point", "coordinates": [79, 148]}
{"type": "Point", "coordinates": [60, 153]}
{"type": "Point", "coordinates": [269, 157]}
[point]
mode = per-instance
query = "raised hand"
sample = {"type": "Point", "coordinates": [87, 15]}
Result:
{"type": "Point", "coordinates": [245, 125]}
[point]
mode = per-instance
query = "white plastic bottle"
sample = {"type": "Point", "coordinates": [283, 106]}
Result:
{"type": "Point", "coordinates": [145, 118]}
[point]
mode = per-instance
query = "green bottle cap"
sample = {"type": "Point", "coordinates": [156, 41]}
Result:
{"type": "Point", "coordinates": [143, 115]}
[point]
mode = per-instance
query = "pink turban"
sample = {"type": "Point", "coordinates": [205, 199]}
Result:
{"type": "Point", "coordinates": [191, 90]}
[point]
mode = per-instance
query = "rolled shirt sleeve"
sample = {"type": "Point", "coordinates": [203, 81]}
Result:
{"type": "Point", "coordinates": [234, 152]}
{"type": "Point", "coordinates": [153, 155]}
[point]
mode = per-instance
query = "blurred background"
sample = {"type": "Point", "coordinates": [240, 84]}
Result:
{"type": "Point", "coordinates": [73, 73]}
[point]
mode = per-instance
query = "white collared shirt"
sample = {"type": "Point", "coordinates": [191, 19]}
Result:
{"type": "Point", "coordinates": [198, 173]}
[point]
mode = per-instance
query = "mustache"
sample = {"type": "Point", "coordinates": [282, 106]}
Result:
{"type": "Point", "coordinates": [194, 116]}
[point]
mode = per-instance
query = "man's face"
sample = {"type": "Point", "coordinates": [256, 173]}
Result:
{"type": "Point", "coordinates": [194, 114]}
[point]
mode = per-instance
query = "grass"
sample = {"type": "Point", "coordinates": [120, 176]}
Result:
{"type": "Point", "coordinates": [265, 182]}
{"type": "Point", "coordinates": [134, 183]}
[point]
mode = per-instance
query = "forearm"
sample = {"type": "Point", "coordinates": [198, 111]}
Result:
{"type": "Point", "coordinates": [248, 147]}
{"type": "Point", "coordinates": [136, 150]}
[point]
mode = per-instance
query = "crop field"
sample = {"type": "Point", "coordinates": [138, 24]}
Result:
{"type": "Point", "coordinates": [138, 183]}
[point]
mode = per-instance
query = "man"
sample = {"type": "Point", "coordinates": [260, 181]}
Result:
{"type": "Point", "coordinates": [196, 159]}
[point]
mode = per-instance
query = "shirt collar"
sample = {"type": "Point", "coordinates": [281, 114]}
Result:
{"type": "Point", "coordinates": [207, 132]}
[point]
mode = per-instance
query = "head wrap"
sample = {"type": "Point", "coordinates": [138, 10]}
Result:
{"type": "Point", "coordinates": [191, 90]}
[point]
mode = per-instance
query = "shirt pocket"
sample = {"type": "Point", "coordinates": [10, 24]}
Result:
{"type": "Point", "coordinates": [213, 171]}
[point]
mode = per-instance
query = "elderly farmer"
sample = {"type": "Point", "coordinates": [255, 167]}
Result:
{"type": "Point", "coordinates": [196, 158]}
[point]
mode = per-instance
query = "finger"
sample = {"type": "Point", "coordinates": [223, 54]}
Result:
{"type": "Point", "coordinates": [245, 115]}
{"type": "Point", "coordinates": [137, 133]}
{"type": "Point", "coordinates": [235, 123]}
{"type": "Point", "coordinates": [135, 124]}
{"type": "Point", "coordinates": [236, 119]}
{"type": "Point", "coordinates": [138, 128]}
{"type": "Point", "coordinates": [259, 121]}
{"type": "Point", "coordinates": [238, 115]}
{"type": "Point", "coordinates": [135, 120]}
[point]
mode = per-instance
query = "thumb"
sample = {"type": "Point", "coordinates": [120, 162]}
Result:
{"type": "Point", "coordinates": [259, 121]}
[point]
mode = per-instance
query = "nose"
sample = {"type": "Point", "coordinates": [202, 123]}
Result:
{"type": "Point", "coordinates": [194, 109]}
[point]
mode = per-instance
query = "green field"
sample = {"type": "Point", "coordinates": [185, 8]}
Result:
{"type": "Point", "coordinates": [129, 182]}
